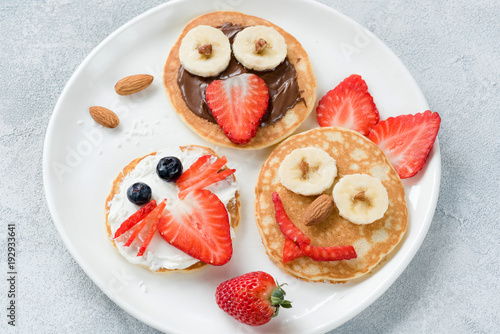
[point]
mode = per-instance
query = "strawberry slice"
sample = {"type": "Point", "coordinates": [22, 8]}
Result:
{"type": "Point", "coordinates": [148, 220]}
{"type": "Point", "coordinates": [207, 170]}
{"type": "Point", "coordinates": [238, 105]}
{"type": "Point", "coordinates": [135, 218]}
{"type": "Point", "coordinates": [287, 227]}
{"type": "Point", "coordinates": [198, 166]}
{"type": "Point", "coordinates": [291, 251]}
{"type": "Point", "coordinates": [335, 253]}
{"type": "Point", "coordinates": [199, 226]}
{"type": "Point", "coordinates": [214, 178]}
{"type": "Point", "coordinates": [348, 105]}
{"type": "Point", "coordinates": [203, 174]}
{"type": "Point", "coordinates": [407, 140]}
{"type": "Point", "coordinates": [153, 218]}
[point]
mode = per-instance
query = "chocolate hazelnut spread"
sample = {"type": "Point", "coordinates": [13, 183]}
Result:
{"type": "Point", "coordinates": [282, 83]}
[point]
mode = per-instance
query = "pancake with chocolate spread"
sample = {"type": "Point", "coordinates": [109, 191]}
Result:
{"type": "Point", "coordinates": [354, 154]}
{"type": "Point", "coordinates": [292, 86]}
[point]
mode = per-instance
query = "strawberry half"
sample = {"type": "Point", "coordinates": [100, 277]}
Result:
{"type": "Point", "coordinates": [253, 298]}
{"type": "Point", "coordinates": [287, 227]}
{"type": "Point", "coordinates": [238, 105]}
{"type": "Point", "coordinates": [407, 140]}
{"type": "Point", "coordinates": [349, 105]}
{"type": "Point", "coordinates": [199, 226]}
{"type": "Point", "coordinates": [202, 174]}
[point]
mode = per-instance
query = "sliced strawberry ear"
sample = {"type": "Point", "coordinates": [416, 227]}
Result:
{"type": "Point", "coordinates": [197, 167]}
{"type": "Point", "coordinates": [208, 170]}
{"type": "Point", "coordinates": [287, 227]}
{"type": "Point", "coordinates": [135, 218]}
{"type": "Point", "coordinates": [214, 178]}
{"type": "Point", "coordinates": [407, 140]}
{"type": "Point", "coordinates": [154, 226]}
{"type": "Point", "coordinates": [348, 105]}
{"type": "Point", "coordinates": [202, 174]}
{"type": "Point", "coordinates": [149, 219]}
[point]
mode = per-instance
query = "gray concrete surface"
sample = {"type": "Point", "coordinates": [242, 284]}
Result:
{"type": "Point", "coordinates": [452, 48]}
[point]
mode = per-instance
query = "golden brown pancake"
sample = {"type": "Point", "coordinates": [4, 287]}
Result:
{"type": "Point", "coordinates": [233, 206]}
{"type": "Point", "coordinates": [354, 154]}
{"type": "Point", "coordinates": [267, 135]}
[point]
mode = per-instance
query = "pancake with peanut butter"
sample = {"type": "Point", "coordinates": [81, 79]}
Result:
{"type": "Point", "coordinates": [354, 154]}
{"type": "Point", "coordinates": [233, 205]}
{"type": "Point", "coordinates": [292, 86]}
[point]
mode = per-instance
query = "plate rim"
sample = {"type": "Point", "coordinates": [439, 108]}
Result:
{"type": "Point", "coordinates": [358, 307]}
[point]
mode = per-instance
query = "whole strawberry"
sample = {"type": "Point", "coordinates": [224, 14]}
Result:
{"type": "Point", "coordinates": [252, 298]}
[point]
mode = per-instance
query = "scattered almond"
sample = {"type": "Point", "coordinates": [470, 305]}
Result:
{"type": "Point", "coordinates": [318, 210]}
{"type": "Point", "coordinates": [133, 84]}
{"type": "Point", "coordinates": [104, 116]}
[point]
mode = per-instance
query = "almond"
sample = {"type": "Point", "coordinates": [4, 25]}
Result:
{"type": "Point", "coordinates": [318, 210]}
{"type": "Point", "coordinates": [104, 116]}
{"type": "Point", "coordinates": [133, 84]}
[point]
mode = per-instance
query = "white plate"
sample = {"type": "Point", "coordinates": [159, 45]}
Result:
{"type": "Point", "coordinates": [81, 158]}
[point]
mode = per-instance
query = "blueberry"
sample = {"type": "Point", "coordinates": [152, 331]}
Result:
{"type": "Point", "coordinates": [139, 193]}
{"type": "Point", "coordinates": [169, 169]}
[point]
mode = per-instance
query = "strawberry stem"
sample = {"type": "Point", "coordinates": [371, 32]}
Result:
{"type": "Point", "coordinates": [278, 299]}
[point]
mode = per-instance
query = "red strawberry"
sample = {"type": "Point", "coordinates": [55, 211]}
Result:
{"type": "Point", "coordinates": [238, 104]}
{"type": "Point", "coordinates": [151, 221]}
{"type": "Point", "coordinates": [135, 218]}
{"type": "Point", "coordinates": [297, 244]}
{"type": "Point", "coordinates": [154, 218]}
{"type": "Point", "coordinates": [348, 105]}
{"type": "Point", "coordinates": [199, 226]}
{"type": "Point", "coordinates": [194, 169]}
{"type": "Point", "coordinates": [214, 178]}
{"type": "Point", "coordinates": [407, 140]}
{"type": "Point", "coordinates": [197, 174]}
{"type": "Point", "coordinates": [202, 174]}
{"type": "Point", "coordinates": [287, 227]}
{"type": "Point", "coordinates": [291, 251]}
{"type": "Point", "coordinates": [335, 253]}
{"type": "Point", "coordinates": [252, 298]}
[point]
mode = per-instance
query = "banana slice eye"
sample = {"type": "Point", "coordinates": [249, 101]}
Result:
{"type": "Point", "coordinates": [361, 198]}
{"type": "Point", "coordinates": [205, 51]}
{"type": "Point", "coordinates": [307, 171]}
{"type": "Point", "coordinates": [259, 48]}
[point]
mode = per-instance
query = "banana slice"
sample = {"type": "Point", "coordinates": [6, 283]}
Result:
{"type": "Point", "coordinates": [307, 171]}
{"type": "Point", "coordinates": [205, 51]}
{"type": "Point", "coordinates": [360, 198]}
{"type": "Point", "coordinates": [259, 48]}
